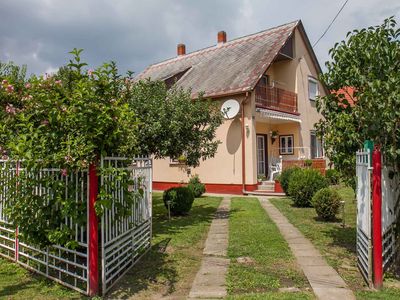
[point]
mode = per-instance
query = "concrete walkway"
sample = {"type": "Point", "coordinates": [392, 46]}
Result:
{"type": "Point", "coordinates": [324, 280]}
{"type": "Point", "coordinates": [209, 282]}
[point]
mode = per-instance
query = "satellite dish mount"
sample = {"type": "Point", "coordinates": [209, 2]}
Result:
{"type": "Point", "coordinates": [230, 108]}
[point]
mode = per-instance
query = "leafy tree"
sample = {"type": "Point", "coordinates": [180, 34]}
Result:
{"type": "Point", "coordinates": [172, 124]}
{"type": "Point", "coordinates": [68, 119]}
{"type": "Point", "coordinates": [369, 62]}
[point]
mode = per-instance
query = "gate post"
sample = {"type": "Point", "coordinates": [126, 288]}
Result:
{"type": "Point", "coordinates": [377, 217]}
{"type": "Point", "coordinates": [16, 227]}
{"type": "Point", "coordinates": [93, 233]}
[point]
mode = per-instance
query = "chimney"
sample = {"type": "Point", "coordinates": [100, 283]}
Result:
{"type": "Point", "coordinates": [221, 37]}
{"type": "Point", "coordinates": [181, 49]}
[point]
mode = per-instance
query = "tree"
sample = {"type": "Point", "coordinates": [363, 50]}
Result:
{"type": "Point", "coordinates": [368, 61]}
{"type": "Point", "coordinates": [172, 124]}
{"type": "Point", "coordinates": [68, 119]}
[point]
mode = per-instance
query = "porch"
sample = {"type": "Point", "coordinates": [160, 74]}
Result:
{"type": "Point", "coordinates": [281, 142]}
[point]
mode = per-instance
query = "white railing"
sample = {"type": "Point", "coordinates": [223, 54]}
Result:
{"type": "Point", "coordinates": [123, 241]}
{"type": "Point", "coordinates": [363, 193]}
{"type": "Point", "coordinates": [66, 266]}
{"type": "Point", "coordinates": [298, 153]}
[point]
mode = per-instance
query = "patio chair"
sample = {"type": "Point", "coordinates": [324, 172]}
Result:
{"type": "Point", "coordinates": [275, 167]}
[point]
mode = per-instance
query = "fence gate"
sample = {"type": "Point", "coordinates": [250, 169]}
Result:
{"type": "Point", "coordinates": [364, 244]}
{"type": "Point", "coordinates": [390, 195]}
{"type": "Point", "coordinates": [125, 240]}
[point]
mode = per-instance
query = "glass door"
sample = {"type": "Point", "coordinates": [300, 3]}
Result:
{"type": "Point", "coordinates": [261, 156]}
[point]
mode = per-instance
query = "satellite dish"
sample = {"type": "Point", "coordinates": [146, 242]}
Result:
{"type": "Point", "coordinates": [230, 108]}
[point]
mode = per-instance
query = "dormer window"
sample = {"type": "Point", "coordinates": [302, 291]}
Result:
{"type": "Point", "coordinates": [171, 80]}
{"type": "Point", "coordinates": [312, 88]}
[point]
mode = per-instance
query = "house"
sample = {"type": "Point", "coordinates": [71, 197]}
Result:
{"type": "Point", "coordinates": [273, 75]}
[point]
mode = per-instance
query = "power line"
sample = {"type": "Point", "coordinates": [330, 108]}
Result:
{"type": "Point", "coordinates": [326, 30]}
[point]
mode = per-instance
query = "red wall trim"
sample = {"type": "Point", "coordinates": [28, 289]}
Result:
{"type": "Point", "coordinates": [218, 188]}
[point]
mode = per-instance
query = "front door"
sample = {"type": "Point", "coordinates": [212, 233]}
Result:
{"type": "Point", "coordinates": [262, 155]}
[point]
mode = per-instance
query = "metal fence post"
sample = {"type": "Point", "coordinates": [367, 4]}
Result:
{"type": "Point", "coordinates": [16, 227]}
{"type": "Point", "coordinates": [93, 233]}
{"type": "Point", "coordinates": [377, 217]}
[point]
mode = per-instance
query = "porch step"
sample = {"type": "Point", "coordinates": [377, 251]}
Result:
{"type": "Point", "coordinates": [265, 193]}
{"type": "Point", "coordinates": [267, 186]}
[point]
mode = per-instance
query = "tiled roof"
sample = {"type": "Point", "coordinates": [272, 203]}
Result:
{"type": "Point", "coordinates": [348, 93]}
{"type": "Point", "coordinates": [229, 68]}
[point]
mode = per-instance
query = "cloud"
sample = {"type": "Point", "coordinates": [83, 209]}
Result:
{"type": "Point", "coordinates": [40, 33]}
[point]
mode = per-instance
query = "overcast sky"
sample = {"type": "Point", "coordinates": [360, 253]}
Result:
{"type": "Point", "coordinates": [135, 33]}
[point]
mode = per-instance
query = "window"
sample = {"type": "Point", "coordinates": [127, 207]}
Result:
{"type": "Point", "coordinates": [312, 88]}
{"type": "Point", "coordinates": [286, 144]}
{"type": "Point", "coordinates": [316, 146]}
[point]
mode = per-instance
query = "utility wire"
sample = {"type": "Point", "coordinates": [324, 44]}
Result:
{"type": "Point", "coordinates": [326, 30]}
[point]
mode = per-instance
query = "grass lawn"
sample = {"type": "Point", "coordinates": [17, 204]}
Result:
{"type": "Point", "coordinates": [336, 244]}
{"type": "Point", "coordinates": [18, 283]}
{"type": "Point", "coordinates": [272, 266]}
{"type": "Point", "coordinates": [171, 265]}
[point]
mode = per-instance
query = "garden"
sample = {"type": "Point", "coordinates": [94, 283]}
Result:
{"type": "Point", "coordinates": [76, 167]}
{"type": "Point", "coordinates": [325, 211]}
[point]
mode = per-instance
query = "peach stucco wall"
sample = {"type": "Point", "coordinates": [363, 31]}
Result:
{"type": "Point", "coordinates": [226, 166]}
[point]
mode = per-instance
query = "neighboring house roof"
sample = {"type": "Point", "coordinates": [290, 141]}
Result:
{"type": "Point", "coordinates": [348, 93]}
{"type": "Point", "coordinates": [229, 68]}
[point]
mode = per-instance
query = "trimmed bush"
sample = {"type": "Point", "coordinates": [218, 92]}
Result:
{"type": "Point", "coordinates": [327, 203]}
{"type": "Point", "coordinates": [196, 186]}
{"type": "Point", "coordinates": [181, 200]}
{"type": "Point", "coordinates": [285, 176]}
{"type": "Point", "coordinates": [303, 184]}
{"type": "Point", "coordinates": [332, 176]}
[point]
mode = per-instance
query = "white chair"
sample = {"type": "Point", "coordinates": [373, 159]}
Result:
{"type": "Point", "coordinates": [275, 167]}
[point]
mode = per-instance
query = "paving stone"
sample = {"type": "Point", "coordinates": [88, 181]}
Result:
{"type": "Point", "coordinates": [324, 280]}
{"type": "Point", "coordinates": [209, 282]}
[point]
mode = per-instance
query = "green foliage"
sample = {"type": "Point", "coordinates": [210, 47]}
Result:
{"type": "Point", "coordinates": [180, 200]}
{"type": "Point", "coordinates": [285, 178]}
{"type": "Point", "coordinates": [196, 186]}
{"type": "Point", "coordinates": [67, 120]}
{"type": "Point", "coordinates": [303, 184]}
{"type": "Point", "coordinates": [308, 163]}
{"type": "Point", "coordinates": [326, 202]}
{"type": "Point", "coordinates": [332, 176]}
{"type": "Point", "coordinates": [176, 126]}
{"type": "Point", "coordinates": [368, 61]}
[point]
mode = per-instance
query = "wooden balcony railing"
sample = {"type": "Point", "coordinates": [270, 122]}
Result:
{"type": "Point", "coordinates": [276, 98]}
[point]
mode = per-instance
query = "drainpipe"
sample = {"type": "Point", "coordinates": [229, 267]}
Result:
{"type": "Point", "coordinates": [244, 148]}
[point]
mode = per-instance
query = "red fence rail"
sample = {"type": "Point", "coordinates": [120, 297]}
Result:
{"type": "Point", "coordinates": [317, 164]}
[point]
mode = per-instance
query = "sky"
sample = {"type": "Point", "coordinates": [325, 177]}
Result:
{"type": "Point", "coordinates": [135, 34]}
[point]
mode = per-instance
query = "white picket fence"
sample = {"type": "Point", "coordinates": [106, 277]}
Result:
{"type": "Point", "coordinates": [123, 240]}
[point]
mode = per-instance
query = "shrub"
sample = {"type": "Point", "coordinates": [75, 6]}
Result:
{"type": "Point", "coordinates": [332, 176]}
{"type": "Point", "coordinates": [180, 198]}
{"type": "Point", "coordinates": [285, 176]}
{"type": "Point", "coordinates": [326, 203]}
{"type": "Point", "coordinates": [196, 186]}
{"type": "Point", "coordinates": [303, 184]}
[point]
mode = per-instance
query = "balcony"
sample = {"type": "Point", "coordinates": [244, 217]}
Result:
{"type": "Point", "coordinates": [276, 98]}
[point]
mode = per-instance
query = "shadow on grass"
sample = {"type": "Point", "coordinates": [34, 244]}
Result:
{"type": "Point", "coordinates": [158, 269]}
{"type": "Point", "coordinates": [343, 237]}
{"type": "Point", "coordinates": [154, 268]}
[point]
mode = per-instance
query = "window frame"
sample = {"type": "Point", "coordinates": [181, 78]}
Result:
{"type": "Point", "coordinates": [313, 80]}
{"type": "Point", "coordinates": [286, 137]}
{"type": "Point", "coordinates": [318, 142]}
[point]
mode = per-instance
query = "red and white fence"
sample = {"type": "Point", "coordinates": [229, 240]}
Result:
{"type": "Point", "coordinates": [378, 190]}
{"type": "Point", "coordinates": [122, 240]}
